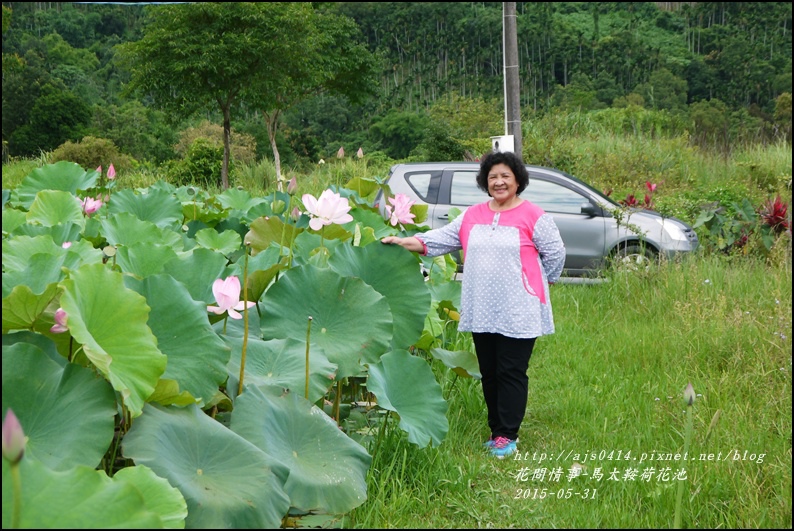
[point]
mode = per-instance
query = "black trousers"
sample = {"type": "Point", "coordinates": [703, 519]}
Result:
{"type": "Point", "coordinates": [503, 365]}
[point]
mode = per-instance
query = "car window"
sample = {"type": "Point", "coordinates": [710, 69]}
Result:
{"type": "Point", "coordinates": [420, 182]}
{"type": "Point", "coordinates": [464, 189]}
{"type": "Point", "coordinates": [553, 197]}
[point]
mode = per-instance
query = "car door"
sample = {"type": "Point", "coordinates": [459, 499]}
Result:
{"type": "Point", "coordinates": [584, 234]}
{"type": "Point", "coordinates": [459, 191]}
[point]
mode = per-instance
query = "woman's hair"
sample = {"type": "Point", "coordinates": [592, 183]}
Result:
{"type": "Point", "coordinates": [502, 157]}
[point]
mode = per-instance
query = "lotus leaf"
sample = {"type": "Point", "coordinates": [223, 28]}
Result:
{"type": "Point", "coordinates": [405, 384]}
{"type": "Point", "coordinates": [78, 498]}
{"type": "Point", "coordinates": [327, 469]}
{"type": "Point", "coordinates": [351, 322]}
{"type": "Point", "coordinates": [226, 481]}
{"type": "Point", "coordinates": [109, 320]}
{"type": "Point", "coordinates": [67, 413]}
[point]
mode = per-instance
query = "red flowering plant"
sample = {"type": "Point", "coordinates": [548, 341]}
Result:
{"type": "Point", "coordinates": [774, 215]}
{"type": "Point", "coordinates": [632, 202]}
{"type": "Point", "coordinates": [629, 202]}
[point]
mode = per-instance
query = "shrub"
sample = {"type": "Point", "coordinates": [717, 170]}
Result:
{"type": "Point", "coordinates": [243, 146]}
{"type": "Point", "coordinates": [92, 152]}
{"type": "Point", "coordinates": [438, 144]}
{"type": "Point", "coordinates": [202, 165]}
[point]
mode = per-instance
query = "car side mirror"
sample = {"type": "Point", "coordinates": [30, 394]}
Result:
{"type": "Point", "coordinates": [591, 210]}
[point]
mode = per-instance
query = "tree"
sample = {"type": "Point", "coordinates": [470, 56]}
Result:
{"type": "Point", "coordinates": [56, 116]}
{"type": "Point", "coordinates": [326, 57]}
{"type": "Point", "coordinates": [399, 132]}
{"type": "Point", "coordinates": [200, 56]}
{"type": "Point", "coordinates": [223, 55]}
{"type": "Point", "coordinates": [664, 90]}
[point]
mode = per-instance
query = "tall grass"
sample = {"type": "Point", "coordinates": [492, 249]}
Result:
{"type": "Point", "coordinates": [611, 379]}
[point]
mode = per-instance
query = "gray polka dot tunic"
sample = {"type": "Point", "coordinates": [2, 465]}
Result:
{"type": "Point", "coordinates": [510, 259]}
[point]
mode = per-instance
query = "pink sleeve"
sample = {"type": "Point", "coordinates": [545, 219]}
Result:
{"type": "Point", "coordinates": [424, 245]}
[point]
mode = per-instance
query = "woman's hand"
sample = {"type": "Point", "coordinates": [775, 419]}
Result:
{"type": "Point", "coordinates": [411, 243]}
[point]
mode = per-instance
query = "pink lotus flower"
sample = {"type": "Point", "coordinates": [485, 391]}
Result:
{"type": "Point", "coordinates": [341, 153]}
{"type": "Point", "coordinates": [360, 153]}
{"type": "Point", "coordinates": [402, 210]}
{"type": "Point", "coordinates": [13, 438]}
{"type": "Point", "coordinates": [66, 245]}
{"type": "Point", "coordinates": [99, 170]}
{"type": "Point", "coordinates": [60, 322]}
{"type": "Point", "coordinates": [329, 208]}
{"type": "Point", "coordinates": [111, 172]}
{"type": "Point", "coordinates": [227, 295]}
{"type": "Point", "coordinates": [90, 205]}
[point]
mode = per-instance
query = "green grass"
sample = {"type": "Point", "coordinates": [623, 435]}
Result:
{"type": "Point", "coordinates": [611, 379]}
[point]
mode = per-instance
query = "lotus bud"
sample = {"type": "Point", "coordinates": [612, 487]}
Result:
{"type": "Point", "coordinates": [296, 214]}
{"type": "Point", "coordinates": [60, 322]}
{"type": "Point", "coordinates": [99, 170]}
{"type": "Point", "coordinates": [111, 172]}
{"type": "Point", "coordinates": [360, 153]}
{"type": "Point", "coordinates": [13, 438]}
{"type": "Point", "coordinates": [689, 394]}
{"type": "Point", "coordinates": [341, 153]}
{"type": "Point", "coordinates": [292, 187]}
{"type": "Point", "coordinates": [278, 206]}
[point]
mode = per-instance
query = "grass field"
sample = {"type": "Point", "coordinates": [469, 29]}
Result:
{"type": "Point", "coordinates": [609, 383]}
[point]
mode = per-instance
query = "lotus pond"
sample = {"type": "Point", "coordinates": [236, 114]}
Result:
{"type": "Point", "coordinates": [180, 359]}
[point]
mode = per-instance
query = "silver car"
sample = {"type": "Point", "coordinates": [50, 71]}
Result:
{"type": "Point", "coordinates": [594, 228]}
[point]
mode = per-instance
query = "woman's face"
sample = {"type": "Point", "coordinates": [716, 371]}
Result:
{"type": "Point", "coordinates": [502, 183]}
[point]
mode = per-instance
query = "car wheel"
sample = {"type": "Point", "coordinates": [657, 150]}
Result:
{"type": "Point", "coordinates": [633, 257]}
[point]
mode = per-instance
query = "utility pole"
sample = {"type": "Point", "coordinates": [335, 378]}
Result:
{"type": "Point", "coordinates": [511, 81]}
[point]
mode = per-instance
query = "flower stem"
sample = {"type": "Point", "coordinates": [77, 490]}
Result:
{"type": "Point", "coordinates": [16, 479]}
{"type": "Point", "coordinates": [308, 335]}
{"type": "Point", "coordinates": [687, 436]}
{"type": "Point", "coordinates": [284, 229]}
{"type": "Point", "coordinates": [291, 244]}
{"type": "Point", "coordinates": [245, 323]}
{"type": "Point", "coordinates": [338, 401]}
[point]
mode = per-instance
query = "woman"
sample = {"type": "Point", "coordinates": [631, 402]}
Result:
{"type": "Point", "coordinates": [512, 251]}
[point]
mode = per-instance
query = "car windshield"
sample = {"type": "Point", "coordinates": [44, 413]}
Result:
{"type": "Point", "coordinates": [597, 192]}
{"type": "Point", "coordinates": [550, 195]}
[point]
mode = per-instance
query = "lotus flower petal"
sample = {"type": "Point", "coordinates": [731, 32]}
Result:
{"type": "Point", "coordinates": [227, 295]}
{"type": "Point", "coordinates": [329, 208]}
{"type": "Point", "coordinates": [60, 322]}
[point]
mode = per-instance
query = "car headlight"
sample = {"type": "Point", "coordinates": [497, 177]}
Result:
{"type": "Point", "coordinates": [673, 229]}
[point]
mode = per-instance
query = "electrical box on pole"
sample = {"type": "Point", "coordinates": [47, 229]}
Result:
{"type": "Point", "coordinates": [503, 144]}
